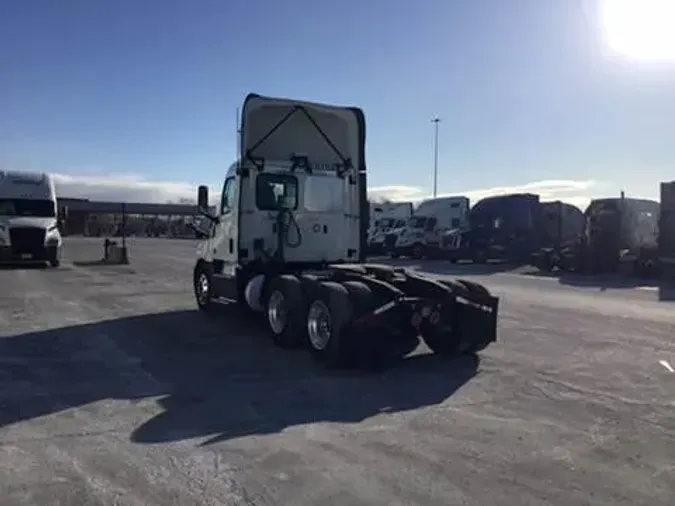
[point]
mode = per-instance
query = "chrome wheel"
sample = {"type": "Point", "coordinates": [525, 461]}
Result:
{"type": "Point", "coordinates": [203, 289]}
{"type": "Point", "coordinates": [276, 312]}
{"type": "Point", "coordinates": [319, 325]}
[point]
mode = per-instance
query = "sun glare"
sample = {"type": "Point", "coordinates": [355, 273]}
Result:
{"type": "Point", "coordinates": [641, 30]}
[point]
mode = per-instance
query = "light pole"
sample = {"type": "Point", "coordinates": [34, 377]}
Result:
{"type": "Point", "coordinates": [436, 121]}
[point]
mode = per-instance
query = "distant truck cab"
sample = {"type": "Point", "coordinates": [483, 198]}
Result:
{"type": "Point", "coordinates": [620, 233]}
{"type": "Point", "coordinates": [422, 234]}
{"type": "Point", "coordinates": [514, 228]}
{"type": "Point", "coordinates": [29, 219]}
{"type": "Point", "coordinates": [389, 216]}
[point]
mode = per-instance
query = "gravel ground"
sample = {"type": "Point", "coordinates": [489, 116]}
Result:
{"type": "Point", "coordinates": [114, 390]}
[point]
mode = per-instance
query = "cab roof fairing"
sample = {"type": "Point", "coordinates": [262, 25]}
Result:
{"type": "Point", "coordinates": [327, 135]}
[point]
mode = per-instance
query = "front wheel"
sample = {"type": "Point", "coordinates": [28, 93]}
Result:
{"type": "Point", "coordinates": [55, 257]}
{"type": "Point", "coordinates": [418, 251]}
{"type": "Point", "coordinates": [203, 287]}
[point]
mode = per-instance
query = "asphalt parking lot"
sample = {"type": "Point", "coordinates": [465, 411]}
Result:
{"type": "Point", "coordinates": [115, 390]}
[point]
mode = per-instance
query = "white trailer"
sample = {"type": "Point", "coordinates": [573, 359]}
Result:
{"type": "Point", "coordinates": [29, 219]}
{"type": "Point", "coordinates": [289, 241]}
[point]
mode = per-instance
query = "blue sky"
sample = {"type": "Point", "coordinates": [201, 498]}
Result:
{"type": "Point", "coordinates": [147, 90]}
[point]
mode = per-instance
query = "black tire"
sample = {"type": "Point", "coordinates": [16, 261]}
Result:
{"type": "Point", "coordinates": [417, 251]}
{"type": "Point", "coordinates": [54, 257]}
{"type": "Point", "coordinates": [479, 257]}
{"type": "Point", "coordinates": [361, 297]}
{"type": "Point", "coordinates": [286, 310]}
{"type": "Point", "coordinates": [455, 287]}
{"type": "Point", "coordinates": [442, 342]}
{"type": "Point", "coordinates": [202, 282]}
{"type": "Point", "coordinates": [480, 291]}
{"type": "Point", "coordinates": [330, 304]}
{"type": "Point", "coordinates": [442, 339]}
{"type": "Point", "coordinates": [474, 288]}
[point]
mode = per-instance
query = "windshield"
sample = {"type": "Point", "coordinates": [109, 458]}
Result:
{"type": "Point", "coordinates": [417, 221]}
{"type": "Point", "coordinates": [387, 222]}
{"type": "Point", "coordinates": [27, 207]}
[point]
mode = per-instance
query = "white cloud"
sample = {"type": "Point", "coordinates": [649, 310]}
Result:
{"type": "Point", "coordinates": [135, 188]}
{"type": "Point", "coordinates": [574, 192]}
{"type": "Point", "coordinates": [126, 188]}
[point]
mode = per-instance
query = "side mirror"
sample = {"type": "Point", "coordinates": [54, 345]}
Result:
{"type": "Point", "coordinates": [62, 214]}
{"type": "Point", "coordinates": [203, 198]}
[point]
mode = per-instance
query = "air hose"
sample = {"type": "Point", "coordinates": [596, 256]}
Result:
{"type": "Point", "coordinates": [286, 219]}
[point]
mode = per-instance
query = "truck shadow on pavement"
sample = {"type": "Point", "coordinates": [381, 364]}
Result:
{"type": "Point", "coordinates": [214, 378]}
{"type": "Point", "coordinates": [665, 290]}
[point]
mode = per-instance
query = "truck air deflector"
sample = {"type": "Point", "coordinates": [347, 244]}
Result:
{"type": "Point", "coordinates": [310, 136]}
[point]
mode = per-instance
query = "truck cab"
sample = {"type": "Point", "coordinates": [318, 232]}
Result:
{"type": "Point", "coordinates": [620, 231]}
{"type": "Point", "coordinates": [422, 233]}
{"type": "Point", "coordinates": [391, 215]}
{"type": "Point", "coordinates": [29, 219]}
{"type": "Point", "coordinates": [500, 227]}
{"type": "Point", "coordinates": [284, 209]}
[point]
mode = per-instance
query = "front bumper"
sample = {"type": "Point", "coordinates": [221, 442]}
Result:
{"type": "Point", "coordinates": [42, 253]}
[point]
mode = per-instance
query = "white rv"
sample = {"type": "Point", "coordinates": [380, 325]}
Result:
{"type": "Point", "coordinates": [422, 233]}
{"type": "Point", "coordinates": [29, 218]}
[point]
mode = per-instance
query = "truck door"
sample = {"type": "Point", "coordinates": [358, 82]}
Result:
{"type": "Point", "coordinates": [431, 233]}
{"type": "Point", "coordinates": [225, 236]}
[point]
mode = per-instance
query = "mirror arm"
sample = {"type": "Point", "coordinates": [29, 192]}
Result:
{"type": "Point", "coordinates": [208, 215]}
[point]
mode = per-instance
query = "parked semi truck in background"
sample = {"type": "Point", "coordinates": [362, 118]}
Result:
{"type": "Point", "coordinates": [513, 228]}
{"type": "Point", "coordinates": [29, 218]}
{"type": "Point", "coordinates": [620, 234]}
{"type": "Point", "coordinates": [421, 235]}
{"type": "Point", "coordinates": [289, 241]}
{"type": "Point", "coordinates": [383, 219]}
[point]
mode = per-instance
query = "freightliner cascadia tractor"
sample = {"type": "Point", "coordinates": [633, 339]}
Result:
{"type": "Point", "coordinates": [288, 240]}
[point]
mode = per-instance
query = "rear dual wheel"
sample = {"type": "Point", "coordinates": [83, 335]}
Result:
{"type": "Point", "coordinates": [333, 306]}
{"type": "Point", "coordinates": [286, 310]}
{"type": "Point", "coordinates": [444, 339]}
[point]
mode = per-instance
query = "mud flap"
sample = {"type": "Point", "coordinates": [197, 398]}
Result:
{"type": "Point", "coordinates": [475, 325]}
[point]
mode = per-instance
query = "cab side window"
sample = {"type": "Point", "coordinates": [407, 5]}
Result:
{"type": "Point", "coordinates": [227, 202]}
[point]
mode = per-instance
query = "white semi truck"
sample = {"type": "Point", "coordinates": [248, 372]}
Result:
{"type": "Point", "coordinates": [423, 231]}
{"type": "Point", "coordinates": [289, 241]}
{"type": "Point", "coordinates": [29, 219]}
{"type": "Point", "coordinates": [383, 219]}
